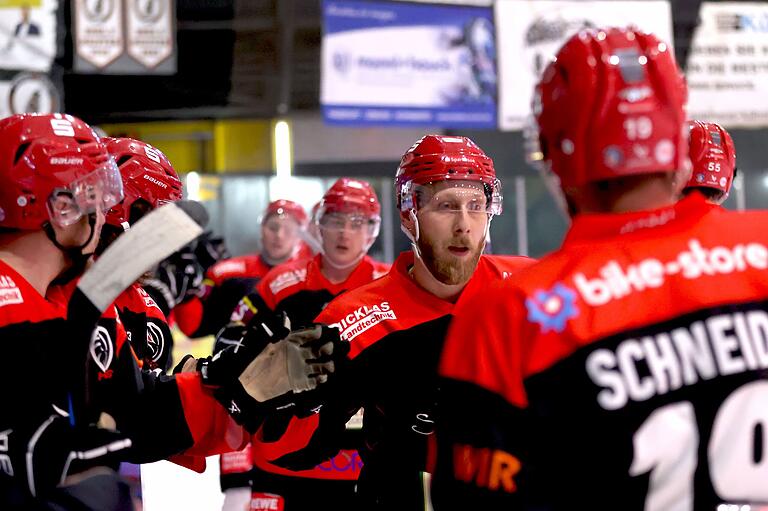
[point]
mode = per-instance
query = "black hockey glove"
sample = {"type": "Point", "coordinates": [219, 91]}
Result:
{"type": "Point", "coordinates": [267, 370]}
{"type": "Point", "coordinates": [175, 280]}
{"type": "Point", "coordinates": [210, 249]}
{"type": "Point", "coordinates": [43, 458]}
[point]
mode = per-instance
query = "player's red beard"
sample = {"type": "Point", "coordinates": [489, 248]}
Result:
{"type": "Point", "coordinates": [446, 267]}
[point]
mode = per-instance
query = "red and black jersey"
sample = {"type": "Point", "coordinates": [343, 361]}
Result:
{"type": "Point", "coordinates": [226, 282]}
{"type": "Point", "coordinates": [34, 338]}
{"type": "Point", "coordinates": [33, 333]}
{"type": "Point", "coordinates": [163, 415]}
{"type": "Point", "coordinates": [624, 371]}
{"type": "Point", "coordinates": [146, 327]}
{"type": "Point", "coordinates": [396, 331]}
{"type": "Point", "coordinates": [300, 290]}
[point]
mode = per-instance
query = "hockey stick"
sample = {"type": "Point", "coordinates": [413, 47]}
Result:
{"type": "Point", "coordinates": [153, 238]}
{"type": "Point", "coordinates": [156, 236]}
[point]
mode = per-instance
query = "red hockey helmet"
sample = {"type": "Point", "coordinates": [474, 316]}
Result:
{"type": "Point", "coordinates": [611, 104]}
{"type": "Point", "coordinates": [147, 176]}
{"type": "Point", "coordinates": [348, 195]}
{"type": "Point", "coordinates": [53, 167]}
{"type": "Point", "coordinates": [282, 207]}
{"type": "Point", "coordinates": [713, 156]}
{"type": "Point", "coordinates": [353, 197]}
{"type": "Point", "coordinates": [436, 158]}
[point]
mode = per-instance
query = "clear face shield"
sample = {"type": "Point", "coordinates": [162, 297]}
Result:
{"type": "Point", "coordinates": [346, 234]}
{"type": "Point", "coordinates": [451, 220]}
{"type": "Point", "coordinates": [350, 222]}
{"type": "Point", "coordinates": [280, 237]}
{"type": "Point", "coordinates": [277, 223]}
{"type": "Point", "coordinates": [452, 197]}
{"type": "Point", "coordinates": [98, 191]}
{"type": "Point", "coordinates": [448, 198]}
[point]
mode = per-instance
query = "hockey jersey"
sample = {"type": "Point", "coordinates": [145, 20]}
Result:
{"type": "Point", "coordinates": [225, 283]}
{"type": "Point", "coordinates": [396, 331]}
{"type": "Point", "coordinates": [626, 371]}
{"type": "Point", "coordinates": [163, 415]}
{"type": "Point", "coordinates": [300, 290]}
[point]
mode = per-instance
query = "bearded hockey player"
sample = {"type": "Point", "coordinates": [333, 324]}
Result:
{"type": "Point", "coordinates": [447, 194]}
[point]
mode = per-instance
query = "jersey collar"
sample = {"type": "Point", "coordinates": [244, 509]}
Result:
{"type": "Point", "coordinates": [592, 227]}
{"type": "Point", "coordinates": [362, 274]}
{"type": "Point", "coordinates": [399, 273]}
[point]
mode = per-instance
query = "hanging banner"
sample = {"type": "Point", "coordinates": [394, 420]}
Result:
{"type": "Point", "coordinates": [27, 35]}
{"type": "Point", "coordinates": [125, 36]}
{"type": "Point", "coordinates": [727, 68]}
{"type": "Point", "coordinates": [408, 64]}
{"type": "Point", "coordinates": [531, 32]}
{"type": "Point", "coordinates": [99, 38]}
{"type": "Point", "coordinates": [151, 38]}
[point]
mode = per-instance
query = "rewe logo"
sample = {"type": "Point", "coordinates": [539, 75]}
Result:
{"type": "Point", "coordinates": [615, 282]}
{"type": "Point", "coordinates": [266, 502]}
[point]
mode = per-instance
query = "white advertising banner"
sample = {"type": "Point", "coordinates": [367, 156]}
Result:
{"type": "Point", "coordinates": [727, 68]}
{"type": "Point", "coordinates": [397, 63]}
{"type": "Point", "coordinates": [530, 33]}
{"type": "Point", "coordinates": [27, 35]}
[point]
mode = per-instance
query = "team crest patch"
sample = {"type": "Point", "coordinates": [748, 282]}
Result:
{"type": "Point", "coordinates": [155, 341]}
{"type": "Point", "coordinates": [102, 350]}
{"type": "Point", "coordinates": [552, 309]}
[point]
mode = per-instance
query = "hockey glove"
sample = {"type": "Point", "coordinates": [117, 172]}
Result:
{"type": "Point", "coordinates": [272, 378]}
{"type": "Point", "coordinates": [175, 280]}
{"type": "Point", "coordinates": [56, 450]}
{"type": "Point", "coordinates": [209, 250]}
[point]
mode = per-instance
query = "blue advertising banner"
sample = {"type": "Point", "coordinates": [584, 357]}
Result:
{"type": "Point", "coordinates": [389, 63]}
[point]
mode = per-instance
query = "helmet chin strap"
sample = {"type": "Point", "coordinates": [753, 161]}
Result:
{"type": "Point", "coordinates": [487, 229]}
{"type": "Point", "coordinates": [413, 237]}
{"type": "Point", "coordinates": [74, 254]}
